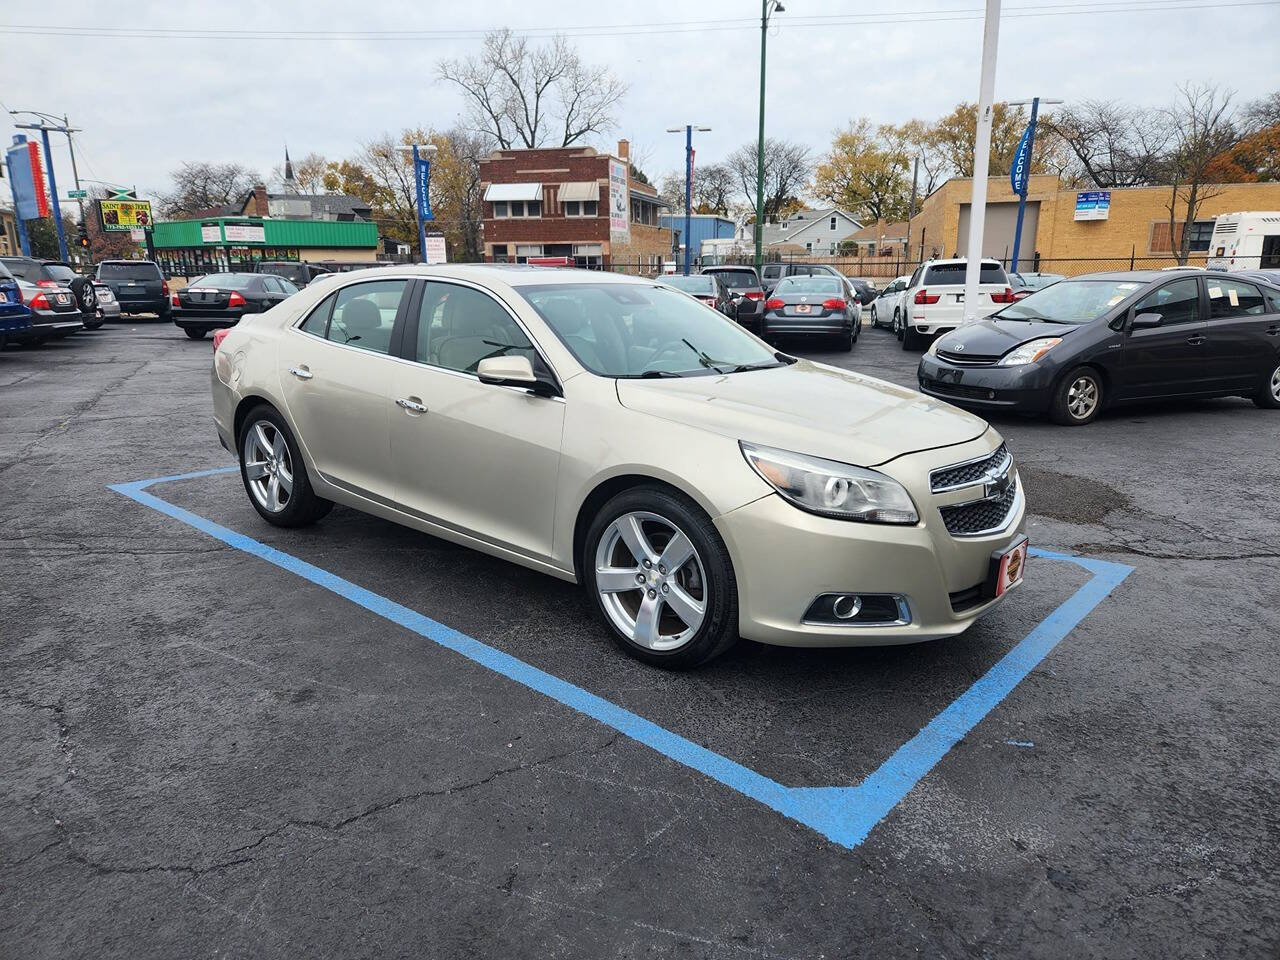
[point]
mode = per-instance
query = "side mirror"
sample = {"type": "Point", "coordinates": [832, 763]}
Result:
{"type": "Point", "coordinates": [1145, 321]}
{"type": "Point", "coordinates": [514, 371]}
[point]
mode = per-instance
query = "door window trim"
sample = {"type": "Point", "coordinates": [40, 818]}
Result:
{"type": "Point", "coordinates": [397, 328]}
{"type": "Point", "coordinates": [1201, 304]}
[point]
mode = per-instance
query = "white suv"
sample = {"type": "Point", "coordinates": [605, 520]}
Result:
{"type": "Point", "coordinates": [933, 302]}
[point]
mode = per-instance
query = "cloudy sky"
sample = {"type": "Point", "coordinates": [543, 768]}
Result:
{"type": "Point", "coordinates": [156, 83]}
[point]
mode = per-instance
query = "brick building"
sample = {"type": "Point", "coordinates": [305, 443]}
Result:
{"type": "Point", "coordinates": [571, 204]}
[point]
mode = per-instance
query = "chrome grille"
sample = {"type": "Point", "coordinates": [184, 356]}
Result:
{"type": "Point", "coordinates": [963, 474]}
{"type": "Point", "coordinates": [967, 359]}
{"type": "Point", "coordinates": [970, 519]}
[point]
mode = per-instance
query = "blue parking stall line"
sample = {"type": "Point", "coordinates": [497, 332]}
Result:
{"type": "Point", "coordinates": [843, 814]}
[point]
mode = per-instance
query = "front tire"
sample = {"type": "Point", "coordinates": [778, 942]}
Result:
{"type": "Point", "coordinates": [875, 317]}
{"type": "Point", "coordinates": [1077, 399]}
{"type": "Point", "coordinates": [195, 333]}
{"type": "Point", "coordinates": [273, 471]}
{"type": "Point", "coordinates": [1268, 398]}
{"type": "Point", "coordinates": [660, 578]}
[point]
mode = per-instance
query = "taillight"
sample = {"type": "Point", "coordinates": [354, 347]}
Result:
{"type": "Point", "coordinates": [47, 283]}
{"type": "Point", "coordinates": [922, 296]}
{"type": "Point", "coordinates": [707, 299]}
{"type": "Point", "coordinates": [164, 288]}
{"type": "Point", "coordinates": [175, 301]}
{"type": "Point", "coordinates": [1006, 297]}
{"type": "Point", "coordinates": [774, 304]}
{"type": "Point", "coordinates": [219, 336]}
{"type": "Point", "coordinates": [39, 302]}
{"type": "Point", "coordinates": [235, 300]}
{"type": "Point", "coordinates": [754, 294]}
{"type": "Point", "coordinates": [835, 303]}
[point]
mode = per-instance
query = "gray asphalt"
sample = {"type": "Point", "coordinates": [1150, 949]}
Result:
{"type": "Point", "coordinates": [204, 755]}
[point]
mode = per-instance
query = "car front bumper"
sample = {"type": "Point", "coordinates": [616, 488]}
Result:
{"type": "Point", "coordinates": [784, 558]}
{"type": "Point", "coordinates": [1027, 388]}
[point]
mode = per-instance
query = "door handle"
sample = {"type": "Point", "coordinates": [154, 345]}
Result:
{"type": "Point", "coordinates": [412, 405]}
{"type": "Point", "coordinates": [1273, 330]}
{"type": "Point", "coordinates": [1195, 340]}
{"type": "Point", "coordinates": [302, 373]}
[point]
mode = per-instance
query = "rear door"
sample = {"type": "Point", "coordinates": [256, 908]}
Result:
{"type": "Point", "coordinates": [1172, 358]}
{"type": "Point", "coordinates": [1243, 332]}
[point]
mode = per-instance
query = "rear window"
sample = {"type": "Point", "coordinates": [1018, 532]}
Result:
{"type": "Point", "coordinates": [737, 278]}
{"type": "Point", "coordinates": [953, 273]}
{"type": "Point", "coordinates": [821, 285]}
{"type": "Point", "coordinates": [27, 270]}
{"type": "Point", "coordinates": [61, 272]}
{"type": "Point", "coordinates": [129, 271]}
{"type": "Point", "coordinates": [290, 271]}
{"type": "Point", "coordinates": [692, 284]}
{"type": "Point", "coordinates": [4, 272]}
{"type": "Point", "coordinates": [225, 281]}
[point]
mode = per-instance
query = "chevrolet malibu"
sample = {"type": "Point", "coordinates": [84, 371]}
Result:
{"type": "Point", "coordinates": [614, 432]}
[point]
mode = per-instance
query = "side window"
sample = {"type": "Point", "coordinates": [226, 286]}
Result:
{"type": "Point", "coordinates": [1233, 298]}
{"type": "Point", "coordinates": [272, 285]}
{"type": "Point", "coordinates": [914, 277]}
{"type": "Point", "coordinates": [288, 288]}
{"type": "Point", "coordinates": [365, 313]}
{"type": "Point", "coordinates": [459, 326]}
{"type": "Point", "coordinates": [318, 320]}
{"type": "Point", "coordinates": [1273, 301]}
{"type": "Point", "coordinates": [1176, 302]}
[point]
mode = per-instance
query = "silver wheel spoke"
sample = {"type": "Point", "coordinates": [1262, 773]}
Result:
{"type": "Point", "coordinates": [618, 579]}
{"type": "Point", "coordinates": [256, 470]}
{"type": "Point", "coordinates": [646, 628]}
{"type": "Point", "coordinates": [284, 482]}
{"type": "Point", "coordinates": [278, 447]}
{"type": "Point", "coordinates": [677, 551]}
{"type": "Point", "coordinates": [634, 538]}
{"type": "Point", "coordinates": [261, 439]}
{"type": "Point", "coordinates": [273, 493]}
{"type": "Point", "coordinates": [684, 606]}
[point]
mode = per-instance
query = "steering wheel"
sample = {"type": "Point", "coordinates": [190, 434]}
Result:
{"type": "Point", "coordinates": [669, 347]}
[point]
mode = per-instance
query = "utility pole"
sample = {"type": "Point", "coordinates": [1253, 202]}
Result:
{"type": "Point", "coordinates": [1020, 175]}
{"type": "Point", "coordinates": [981, 159]}
{"type": "Point", "coordinates": [688, 185]}
{"type": "Point", "coordinates": [765, 11]}
{"type": "Point", "coordinates": [911, 207]}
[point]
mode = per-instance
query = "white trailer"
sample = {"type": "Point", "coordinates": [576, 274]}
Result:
{"type": "Point", "coordinates": [1245, 241]}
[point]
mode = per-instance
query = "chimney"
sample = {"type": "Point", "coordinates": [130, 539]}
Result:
{"type": "Point", "coordinates": [259, 207]}
{"type": "Point", "coordinates": [624, 150]}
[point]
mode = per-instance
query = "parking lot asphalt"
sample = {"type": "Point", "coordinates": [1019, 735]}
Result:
{"type": "Point", "coordinates": [205, 754]}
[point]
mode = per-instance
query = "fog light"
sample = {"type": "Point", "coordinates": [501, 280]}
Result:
{"type": "Point", "coordinates": [846, 608]}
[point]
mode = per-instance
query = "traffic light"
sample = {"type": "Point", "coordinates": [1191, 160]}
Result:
{"type": "Point", "coordinates": [83, 238]}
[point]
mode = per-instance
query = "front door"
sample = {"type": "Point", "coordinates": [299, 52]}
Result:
{"type": "Point", "coordinates": [1173, 357]}
{"type": "Point", "coordinates": [335, 373]}
{"type": "Point", "coordinates": [472, 456]}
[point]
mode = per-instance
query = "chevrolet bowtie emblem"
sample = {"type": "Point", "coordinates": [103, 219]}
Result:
{"type": "Point", "coordinates": [996, 485]}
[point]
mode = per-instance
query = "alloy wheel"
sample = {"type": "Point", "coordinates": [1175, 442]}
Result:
{"type": "Point", "coordinates": [1275, 384]}
{"type": "Point", "coordinates": [268, 466]}
{"type": "Point", "coordinates": [1082, 397]}
{"type": "Point", "coordinates": [650, 581]}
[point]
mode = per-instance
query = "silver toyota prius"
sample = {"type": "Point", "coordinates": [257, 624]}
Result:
{"type": "Point", "coordinates": [612, 431]}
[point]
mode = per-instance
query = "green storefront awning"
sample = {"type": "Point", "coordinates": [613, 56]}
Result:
{"type": "Point", "coordinates": [244, 232]}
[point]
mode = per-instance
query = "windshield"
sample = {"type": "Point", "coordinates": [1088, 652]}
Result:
{"type": "Point", "coordinates": [27, 270]}
{"type": "Point", "coordinates": [738, 278]}
{"type": "Point", "coordinates": [225, 281]}
{"type": "Point", "coordinates": [634, 330]}
{"type": "Point", "coordinates": [825, 286]}
{"type": "Point", "coordinates": [692, 284]}
{"type": "Point", "coordinates": [953, 273]}
{"type": "Point", "coordinates": [1071, 301]}
{"type": "Point", "coordinates": [129, 271]}
{"type": "Point", "coordinates": [290, 271]}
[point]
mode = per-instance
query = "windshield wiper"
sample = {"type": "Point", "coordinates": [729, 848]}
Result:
{"type": "Point", "coordinates": [705, 360]}
{"type": "Point", "coordinates": [648, 374]}
{"type": "Point", "coordinates": [766, 365]}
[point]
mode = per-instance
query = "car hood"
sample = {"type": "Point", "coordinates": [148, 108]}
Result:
{"type": "Point", "coordinates": [808, 408]}
{"type": "Point", "coordinates": [994, 338]}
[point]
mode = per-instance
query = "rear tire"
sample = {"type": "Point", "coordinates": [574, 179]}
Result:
{"type": "Point", "coordinates": [844, 341]}
{"type": "Point", "coordinates": [630, 536]}
{"type": "Point", "coordinates": [1268, 398]}
{"type": "Point", "coordinates": [195, 333]}
{"type": "Point", "coordinates": [897, 324]}
{"type": "Point", "coordinates": [265, 459]}
{"type": "Point", "coordinates": [875, 317]}
{"type": "Point", "coordinates": [1077, 398]}
{"type": "Point", "coordinates": [93, 324]}
{"type": "Point", "coordinates": [910, 339]}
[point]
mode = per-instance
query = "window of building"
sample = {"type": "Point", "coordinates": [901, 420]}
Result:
{"type": "Point", "coordinates": [1201, 234]}
{"type": "Point", "coordinates": [581, 208]}
{"type": "Point", "coordinates": [500, 209]}
{"type": "Point", "coordinates": [833, 223]}
{"type": "Point", "coordinates": [590, 255]}
{"type": "Point", "coordinates": [517, 208]}
{"type": "Point", "coordinates": [526, 250]}
{"type": "Point", "coordinates": [499, 253]}
{"type": "Point", "coordinates": [808, 248]}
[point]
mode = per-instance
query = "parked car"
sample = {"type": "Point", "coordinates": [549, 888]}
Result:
{"type": "Point", "coordinates": [54, 313]}
{"type": "Point", "coordinates": [887, 308]}
{"type": "Point", "coordinates": [107, 308]}
{"type": "Point", "coordinates": [933, 302]}
{"type": "Point", "coordinates": [743, 284]}
{"type": "Point", "coordinates": [1025, 284]}
{"type": "Point", "coordinates": [813, 305]}
{"type": "Point", "coordinates": [221, 299]}
{"type": "Point", "coordinates": [591, 425]}
{"type": "Point", "coordinates": [771, 273]}
{"type": "Point", "coordinates": [138, 285]}
{"type": "Point", "coordinates": [1271, 277]}
{"type": "Point", "coordinates": [15, 316]}
{"type": "Point", "coordinates": [1083, 344]}
{"type": "Point", "coordinates": [52, 274]}
{"type": "Point", "coordinates": [708, 288]}
{"type": "Point", "coordinates": [298, 273]}
{"type": "Point", "coordinates": [339, 266]}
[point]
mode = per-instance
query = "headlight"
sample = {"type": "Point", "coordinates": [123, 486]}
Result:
{"type": "Point", "coordinates": [832, 489]}
{"type": "Point", "coordinates": [1029, 352]}
{"type": "Point", "coordinates": [933, 347]}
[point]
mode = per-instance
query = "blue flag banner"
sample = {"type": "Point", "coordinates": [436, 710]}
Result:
{"type": "Point", "coordinates": [1020, 172]}
{"type": "Point", "coordinates": [424, 181]}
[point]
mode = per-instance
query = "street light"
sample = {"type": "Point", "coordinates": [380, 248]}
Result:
{"type": "Point", "coordinates": [767, 9]}
{"type": "Point", "coordinates": [1022, 179]}
{"type": "Point", "coordinates": [422, 179]}
{"type": "Point", "coordinates": [688, 182]}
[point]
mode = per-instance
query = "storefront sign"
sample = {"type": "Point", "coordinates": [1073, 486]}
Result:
{"type": "Point", "coordinates": [619, 202]}
{"type": "Point", "coordinates": [244, 233]}
{"type": "Point", "coordinates": [124, 215]}
{"type": "Point", "coordinates": [137, 234]}
{"type": "Point", "coordinates": [210, 233]}
{"type": "Point", "coordinates": [436, 251]}
{"type": "Point", "coordinates": [1093, 205]}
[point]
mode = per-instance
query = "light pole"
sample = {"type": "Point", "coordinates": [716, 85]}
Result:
{"type": "Point", "coordinates": [422, 180]}
{"type": "Point", "coordinates": [981, 158]}
{"type": "Point", "coordinates": [767, 9]}
{"type": "Point", "coordinates": [688, 182]}
{"type": "Point", "coordinates": [1020, 175]}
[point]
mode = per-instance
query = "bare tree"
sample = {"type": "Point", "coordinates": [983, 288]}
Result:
{"type": "Point", "coordinates": [1109, 143]}
{"type": "Point", "coordinates": [787, 167]}
{"type": "Point", "coordinates": [522, 95]}
{"type": "Point", "coordinates": [1202, 126]}
{"type": "Point", "coordinates": [198, 185]}
{"type": "Point", "coordinates": [1262, 114]}
{"type": "Point", "coordinates": [714, 187]}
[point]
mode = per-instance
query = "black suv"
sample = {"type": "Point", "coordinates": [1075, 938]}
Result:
{"type": "Point", "coordinates": [745, 290]}
{"type": "Point", "coordinates": [296, 272]}
{"type": "Point", "coordinates": [56, 273]}
{"type": "Point", "coordinates": [138, 285]}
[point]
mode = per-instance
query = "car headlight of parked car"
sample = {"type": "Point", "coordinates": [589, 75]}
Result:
{"type": "Point", "coordinates": [933, 347]}
{"type": "Point", "coordinates": [1029, 352]}
{"type": "Point", "coordinates": [832, 489]}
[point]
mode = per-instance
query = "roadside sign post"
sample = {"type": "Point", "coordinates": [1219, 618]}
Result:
{"type": "Point", "coordinates": [981, 159]}
{"type": "Point", "coordinates": [53, 192]}
{"type": "Point", "coordinates": [422, 180]}
{"type": "Point", "coordinates": [1021, 177]}
{"type": "Point", "coordinates": [688, 186]}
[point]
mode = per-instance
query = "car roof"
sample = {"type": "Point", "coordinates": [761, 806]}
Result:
{"type": "Point", "coordinates": [512, 274]}
{"type": "Point", "coordinates": [954, 260]}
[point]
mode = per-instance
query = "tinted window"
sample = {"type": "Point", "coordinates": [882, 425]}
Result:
{"type": "Point", "coordinates": [272, 285]}
{"type": "Point", "coordinates": [294, 271]}
{"type": "Point", "coordinates": [1176, 302]}
{"type": "Point", "coordinates": [27, 270]}
{"type": "Point", "coordinates": [318, 320]}
{"type": "Point", "coordinates": [60, 272]}
{"type": "Point", "coordinates": [827, 286]}
{"type": "Point", "coordinates": [628, 330]}
{"type": "Point", "coordinates": [226, 281]}
{"type": "Point", "coordinates": [704, 285]}
{"type": "Point", "coordinates": [128, 271]}
{"type": "Point", "coordinates": [4, 272]}
{"type": "Point", "coordinates": [772, 271]}
{"type": "Point", "coordinates": [458, 327]}
{"type": "Point", "coordinates": [364, 314]}
{"type": "Point", "coordinates": [1233, 298]}
{"type": "Point", "coordinates": [953, 273]}
{"type": "Point", "coordinates": [736, 279]}
{"type": "Point", "coordinates": [286, 286]}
